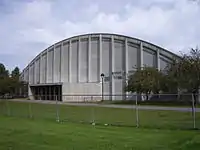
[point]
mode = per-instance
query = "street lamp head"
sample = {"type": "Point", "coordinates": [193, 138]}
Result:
{"type": "Point", "coordinates": [102, 75]}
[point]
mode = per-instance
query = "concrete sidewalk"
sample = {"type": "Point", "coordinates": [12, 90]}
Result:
{"type": "Point", "coordinates": [184, 109]}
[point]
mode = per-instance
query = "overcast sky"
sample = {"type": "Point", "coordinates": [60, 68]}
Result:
{"type": "Point", "coordinates": [29, 26]}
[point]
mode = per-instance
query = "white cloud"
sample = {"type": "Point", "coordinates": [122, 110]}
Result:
{"type": "Point", "coordinates": [32, 26]}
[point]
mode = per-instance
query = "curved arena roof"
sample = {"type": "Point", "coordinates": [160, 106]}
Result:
{"type": "Point", "coordinates": [154, 46]}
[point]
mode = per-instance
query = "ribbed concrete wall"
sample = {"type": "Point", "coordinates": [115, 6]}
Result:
{"type": "Point", "coordinates": [77, 62]}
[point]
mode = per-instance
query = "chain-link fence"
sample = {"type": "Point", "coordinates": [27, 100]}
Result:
{"type": "Point", "coordinates": [170, 111]}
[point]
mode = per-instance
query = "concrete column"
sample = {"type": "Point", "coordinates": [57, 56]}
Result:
{"type": "Point", "coordinates": [29, 74]}
{"type": "Point", "coordinates": [30, 94]}
{"type": "Point", "coordinates": [60, 66]}
{"type": "Point", "coordinates": [78, 63]}
{"type": "Point", "coordinates": [100, 57]}
{"type": "Point", "coordinates": [112, 67]}
{"type": "Point", "coordinates": [40, 69]}
{"type": "Point", "coordinates": [158, 59]}
{"type": "Point", "coordinates": [125, 68]}
{"type": "Point", "coordinates": [89, 58]}
{"type": "Point", "coordinates": [34, 72]}
{"type": "Point", "coordinates": [141, 56]}
{"type": "Point", "coordinates": [69, 61]}
{"type": "Point", "coordinates": [53, 71]}
{"type": "Point", "coordinates": [47, 65]}
{"type": "Point", "coordinates": [140, 64]}
{"type": "Point", "coordinates": [126, 56]}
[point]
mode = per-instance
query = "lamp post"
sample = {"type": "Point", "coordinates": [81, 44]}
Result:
{"type": "Point", "coordinates": [102, 88]}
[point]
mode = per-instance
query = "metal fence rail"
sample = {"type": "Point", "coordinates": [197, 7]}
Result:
{"type": "Point", "coordinates": [168, 111]}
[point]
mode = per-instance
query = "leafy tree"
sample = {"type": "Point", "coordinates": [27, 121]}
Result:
{"type": "Point", "coordinates": [15, 73]}
{"type": "Point", "coordinates": [16, 85]}
{"type": "Point", "coordinates": [188, 71]}
{"type": "Point", "coordinates": [4, 77]}
{"type": "Point", "coordinates": [169, 83]}
{"type": "Point", "coordinates": [3, 72]}
{"type": "Point", "coordinates": [185, 72]}
{"type": "Point", "coordinates": [10, 84]}
{"type": "Point", "coordinates": [145, 81]}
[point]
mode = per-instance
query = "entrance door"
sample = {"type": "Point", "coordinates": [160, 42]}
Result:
{"type": "Point", "coordinates": [47, 92]}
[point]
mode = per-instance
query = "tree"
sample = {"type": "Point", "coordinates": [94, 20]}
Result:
{"type": "Point", "coordinates": [145, 81]}
{"type": "Point", "coordinates": [15, 73]}
{"type": "Point", "coordinates": [16, 84]}
{"type": "Point", "coordinates": [4, 77]}
{"type": "Point", "coordinates": [3, 72]}
{"type": "Point", "coordinates": [186, 71]}
{"type": "Point", "coordinates": [169, 83]}
{"type": "Point", "coordinates": [10, 84]}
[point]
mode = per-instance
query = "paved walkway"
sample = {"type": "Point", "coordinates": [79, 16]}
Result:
{"type": "Point", "coordinates": [112, 105]}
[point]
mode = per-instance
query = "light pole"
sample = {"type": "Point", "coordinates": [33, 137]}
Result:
{"type": "Point", "coordinates": [102, 88]}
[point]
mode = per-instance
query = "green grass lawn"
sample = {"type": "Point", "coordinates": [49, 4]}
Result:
{"type": "Point", "coordinates": [112, 116]}
{"type": "Point", "coordinates": [22, 133]}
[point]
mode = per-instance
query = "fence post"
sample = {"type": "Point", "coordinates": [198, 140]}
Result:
{"type": "Point", "coordinates": [57, 111]}
{"type": "Point", "coordinates": [136, 111]}
{"type": "Point", "coordinates": [193, 111]}
{"type": "Point", "coordinates": [93, 115]}
{"type": "Point", "coordinates": [30, 110]}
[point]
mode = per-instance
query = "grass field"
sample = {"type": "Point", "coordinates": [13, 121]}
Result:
{"type": "Point", "coordinates": [22, 133]}
{"type": "Point", "coordinates": [101, 115]}
{"type": "Point", "coordinates": [157, 130]}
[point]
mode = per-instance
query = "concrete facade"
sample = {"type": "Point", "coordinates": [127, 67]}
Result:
{"type": "Point", "coordinates": [77, 63]}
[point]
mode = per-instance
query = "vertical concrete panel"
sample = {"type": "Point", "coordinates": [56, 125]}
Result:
{"type": "Point", "coordinates": [163, 63]}
{"type": "Point", "coordinates": [74, 61]}
{"type": "Point", "coordinates": [65, 62]}
{"type": "Point", "coordinates": [126, 56]}
{"type": "Point", "coordinates": [27, 74]}
{"type": "Point", "coordinates": [94, 58]}
{"type": "Point", "coordinates": [41, 71]}
{"type": "Point", "coordinates": [89, 59]}
{"type": "Point", "coordinates": [141, 61]}
{"type": "Point", "coordinates": [112, 61]}
{"type": "Point", "coordinates": [118, 56]}
{"type": "Point", "coordinates": [118, 67]}
{"type": "Point", "coordinates": [106, 48]}
{"type": "Point", "coordinates": [50, 66]}
{"type": "Point", "coordinates": [43, 68]}
{"type": "Point", "coordinates": [47, 66]}
{"type": "Point", "coordinates": [83, 60]}
{"type": "Point", "coordinates": [149, 58]}
{"type": "Point", "coordinates": [78, 60]}
{"type": "Point", "coordinates": [31, 74]}
{"type": "Point", "coordinates": [34, 72]}
{"type": "Point", "coordinates": [57, 64]}
{"type": "Point", "coordinates": [158, 59]}
{"type": "Point", "coordinates": [100, 57]}
{"type": "Point", "coordinates": [60, 77]}
{"type": "Point", "coordinates": [133, 51]}
{"type": "Point", "coordinates": [37, 71]}
{"type": "Point", "coordinates": [69, 61]}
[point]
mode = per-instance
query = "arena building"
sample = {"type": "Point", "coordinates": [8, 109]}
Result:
{"type": "Point", "coordinates": [74, 66]}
